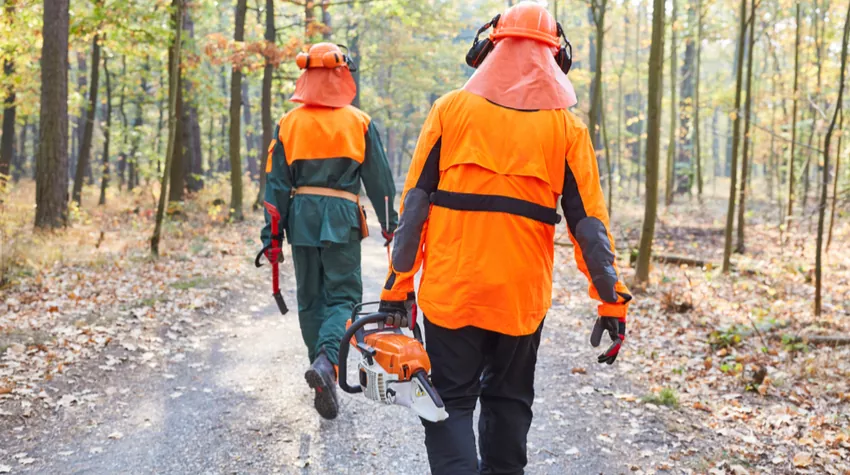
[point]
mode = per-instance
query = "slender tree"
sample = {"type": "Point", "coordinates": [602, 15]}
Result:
{"type": "Point", "coordinates": [235, 133]}
{"type": "Point", "coordinates": [697, 103]}
{"type": "Point", "coordinates": [653, 140]}
{"type": "Point", "coordinates": [683, 164]}
{"type": "Point", "coordinates": [837, 174]}
{"type": "Point", "coordinates": [173, 88]}
{"type": "Point", "coordinates": [51, 194]}
{"type": "Point", "coordinates": [790, 207]}
{"type": "Point", "coordinates": [736, 139]}
{"type": "Point", "coordinates": [598, 9]}
{"type": "Point", "coordinates": [107, 132]}
{"type": "Point", "coordinates": [7, 141]}
{"type": "Point", "coordinates": [674, 131]}
{"type": "Point", "coordinates": [268, 73]}
{"type": "Point", "coordinates": [825, 181]}
{"type": "Point", "coordinates": [742, 206]}
{"type": "Point", "coordinates": [91, 112]}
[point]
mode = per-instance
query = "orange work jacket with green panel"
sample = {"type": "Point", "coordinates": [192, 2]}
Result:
{"type": "Point", "coordinates": [331, 148]}
{"type": "Point", "coordinates": [479, 211]}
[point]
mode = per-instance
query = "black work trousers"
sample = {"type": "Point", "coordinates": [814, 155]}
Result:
{"type": "Point", "coordinates": [470, 365]}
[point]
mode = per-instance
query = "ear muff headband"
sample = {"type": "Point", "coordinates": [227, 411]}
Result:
{"type": "Point", "coordinates": [330, 60]}
{"type": "Point", "coordinates": [564, 57]}
{"type": "Point", "coordinates": [481, 48]}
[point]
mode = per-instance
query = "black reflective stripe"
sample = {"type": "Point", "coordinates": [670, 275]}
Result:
{"type": "Point", "coordinates": [495, 203]}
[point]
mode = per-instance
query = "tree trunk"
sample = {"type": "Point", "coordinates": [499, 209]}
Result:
{"type": "Point", "coordinates": [674, 131]}
{"type": "Point", "coordinates": [684, 159]}
{"type": "Point", "coordinates": [173, 118]}
{"type": "Point", "coordinates": [697, 103]}
{"type": "Point", "coordinates": [235, 102]}
{"type": "Point", "coordinates": [79, 121]}
{"type": "Point", "coordinates": [736, 139]}
{"type": "Point", "coordinates": [745, 163]}
{"type": "Point", "coordinates": [790, 208]}
{"type": "Point", "coordinates": [21, 160]}
{"type": "Point", "coordinates": [7, 141]}
{"type": "Point", "coordinates": [653, 140]}
{"type": "Point", "coordinates": [177, 179]}
{"type": "Point", "coordinates": [825, 181]}
{"type": "Point", "coordinates": [91, 113]}
{"type": "Point", "coordinates": [326, 21]}
{"type": "Point", "coordinates": [597, 15]}
{"type": "Point", "coordinates": [639, 126]}
{"type": "Point", "coordinates": [249, 132]}
{"type": "Point", "coordinates": [266, 113]}
{"type": "Point", "coordinates": [192, 129]}
{"type": "Point", "coordinates": [837, 176]}
{"type": "Point", "coordinates": [354, 51]}
{"type": "Point", "coordinates": [52, 176]}
{"type": "Point", "coordinates": [107, 131]}
{"type": "Point", "coordinates": [608, 165]}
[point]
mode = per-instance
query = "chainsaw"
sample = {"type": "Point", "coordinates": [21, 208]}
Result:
{"type": "Point", "coordinates": [393, 367]}
{"type": "Point", "coordinates": [275, 244]}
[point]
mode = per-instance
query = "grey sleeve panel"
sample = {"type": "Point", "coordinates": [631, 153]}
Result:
{"type": "Point", "coordinates": [593, 239]}
{"type": "Point", "coordinates": [417, 205]}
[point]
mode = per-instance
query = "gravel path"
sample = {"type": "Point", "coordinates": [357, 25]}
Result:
{"type": "Point", "coordinates": [238, 404]}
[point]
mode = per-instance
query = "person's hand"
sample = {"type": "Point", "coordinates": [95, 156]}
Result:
{"type": "Point", "coordinates": [616, 329]}
{"type": "Point", "coordinates": [388, 236]}
{"type": "Point", "coordinates": [401, 313]}
{"type": "Point", "coordinates": [274, 254]}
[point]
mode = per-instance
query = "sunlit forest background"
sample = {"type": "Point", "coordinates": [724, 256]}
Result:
{"type": "Point", "coordinates": [132, 174]}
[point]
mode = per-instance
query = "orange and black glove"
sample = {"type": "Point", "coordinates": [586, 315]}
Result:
{"type": "Point", "coordinates": [616, 329]}
{"type": "Point", "coordinates": [401, 314]}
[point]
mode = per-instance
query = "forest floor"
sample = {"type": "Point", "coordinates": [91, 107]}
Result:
{"type": "Point", "coordinates": [113, 362]}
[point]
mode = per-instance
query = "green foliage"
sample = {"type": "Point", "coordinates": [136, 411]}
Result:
{"type": "Point", "coordinates": [666, 397]}
{"type": "Point", "coordinates": [728, 338]}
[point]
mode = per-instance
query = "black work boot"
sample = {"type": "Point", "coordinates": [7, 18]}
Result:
{"type": "Point", "coordinates": [322, 378]}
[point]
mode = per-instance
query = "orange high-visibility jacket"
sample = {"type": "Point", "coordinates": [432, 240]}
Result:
{"type": "Point", "coordinates": [479, 210]}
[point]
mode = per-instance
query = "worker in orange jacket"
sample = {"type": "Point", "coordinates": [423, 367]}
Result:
{"type": "Point", "coordinates": [321, 152]}
{"type": "Point", "coordinates": [478, 216]}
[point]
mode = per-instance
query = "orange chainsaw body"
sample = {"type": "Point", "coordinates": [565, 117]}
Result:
{"type": "Point", "coordinates": [398, 354]}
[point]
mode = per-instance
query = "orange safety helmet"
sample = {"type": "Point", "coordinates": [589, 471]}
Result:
{"type": "Point", "coordinates": [527, 20]}
{"type": "Point", "coordinates": [523, 20]}
{"type": "Point", "coordinates": [324, 55]}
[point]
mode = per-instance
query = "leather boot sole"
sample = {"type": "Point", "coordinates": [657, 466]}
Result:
{"type": "Point", "coordinates": [325, 402]}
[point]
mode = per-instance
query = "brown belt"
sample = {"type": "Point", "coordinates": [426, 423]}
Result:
{"type": "Point", "coordinates": [334, 193]}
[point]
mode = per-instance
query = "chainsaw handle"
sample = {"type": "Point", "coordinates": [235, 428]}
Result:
{"type": "Point", "coordinates": [345, 343]}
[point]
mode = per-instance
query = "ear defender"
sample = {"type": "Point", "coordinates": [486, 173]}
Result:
{"type": "Point", "coordinates": [564, 57]}
{"type": "Point", "coordinates": [330, 60]}
{"type": "Point", "coordinates": [481, 48]}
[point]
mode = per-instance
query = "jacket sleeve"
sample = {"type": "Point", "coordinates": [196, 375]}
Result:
{"type": "Point", "coordinates": [378, 179]}
{"type": "Point", "coordinates": [583, 203]}
{"type": "Point", "coordinates": [422, 180]}
{"type": "Point", "coordinates": [278, 186]}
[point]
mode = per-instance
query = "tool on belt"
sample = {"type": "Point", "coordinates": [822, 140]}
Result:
{"type": "Point", "coordinates": [334, 193]}
{"type": "Point", "coordinates": [393, 367]}
{"type": "Point", "coordinates": [275, 254]}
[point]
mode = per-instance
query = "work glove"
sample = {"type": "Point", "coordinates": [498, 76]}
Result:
{"type": "Point", "coordinates": [402, 313]}
{"type": "Point", "coordinates": [388, 236]}
{"type": "Point", "coordinates": [274, 254]}
{"type": "Point", "coordinates": [616, 329]}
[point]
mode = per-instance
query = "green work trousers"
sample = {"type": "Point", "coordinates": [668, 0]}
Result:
{"type": "Point", "coordinates": [329, 286]}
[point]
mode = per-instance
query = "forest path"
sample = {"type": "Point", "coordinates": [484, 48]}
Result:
{"type": "Point", "coordinates": [239, 404]}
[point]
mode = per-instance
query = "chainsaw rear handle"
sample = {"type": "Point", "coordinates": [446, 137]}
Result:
{"type": "Point", "coordinates": [344, 344]}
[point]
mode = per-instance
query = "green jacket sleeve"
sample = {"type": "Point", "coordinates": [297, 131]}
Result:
{"type": "Point", "coordinates": [278, 186]}
{"type": "Point", "coordinates": [378, 179]}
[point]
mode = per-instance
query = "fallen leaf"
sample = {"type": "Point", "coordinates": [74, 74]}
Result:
{"type": "Point", "coordinates": [579, 371]}
{"type": "Point", "coordinates": [26, 461]}
{"type": "Point", "coordinates": [802, 460]}
{"type": "Point", "coordinates": [572, 451]}
{"type": "Point", "coordinates": [5, 469]}
{"type": "Point", "coordinates": [115, 435]}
